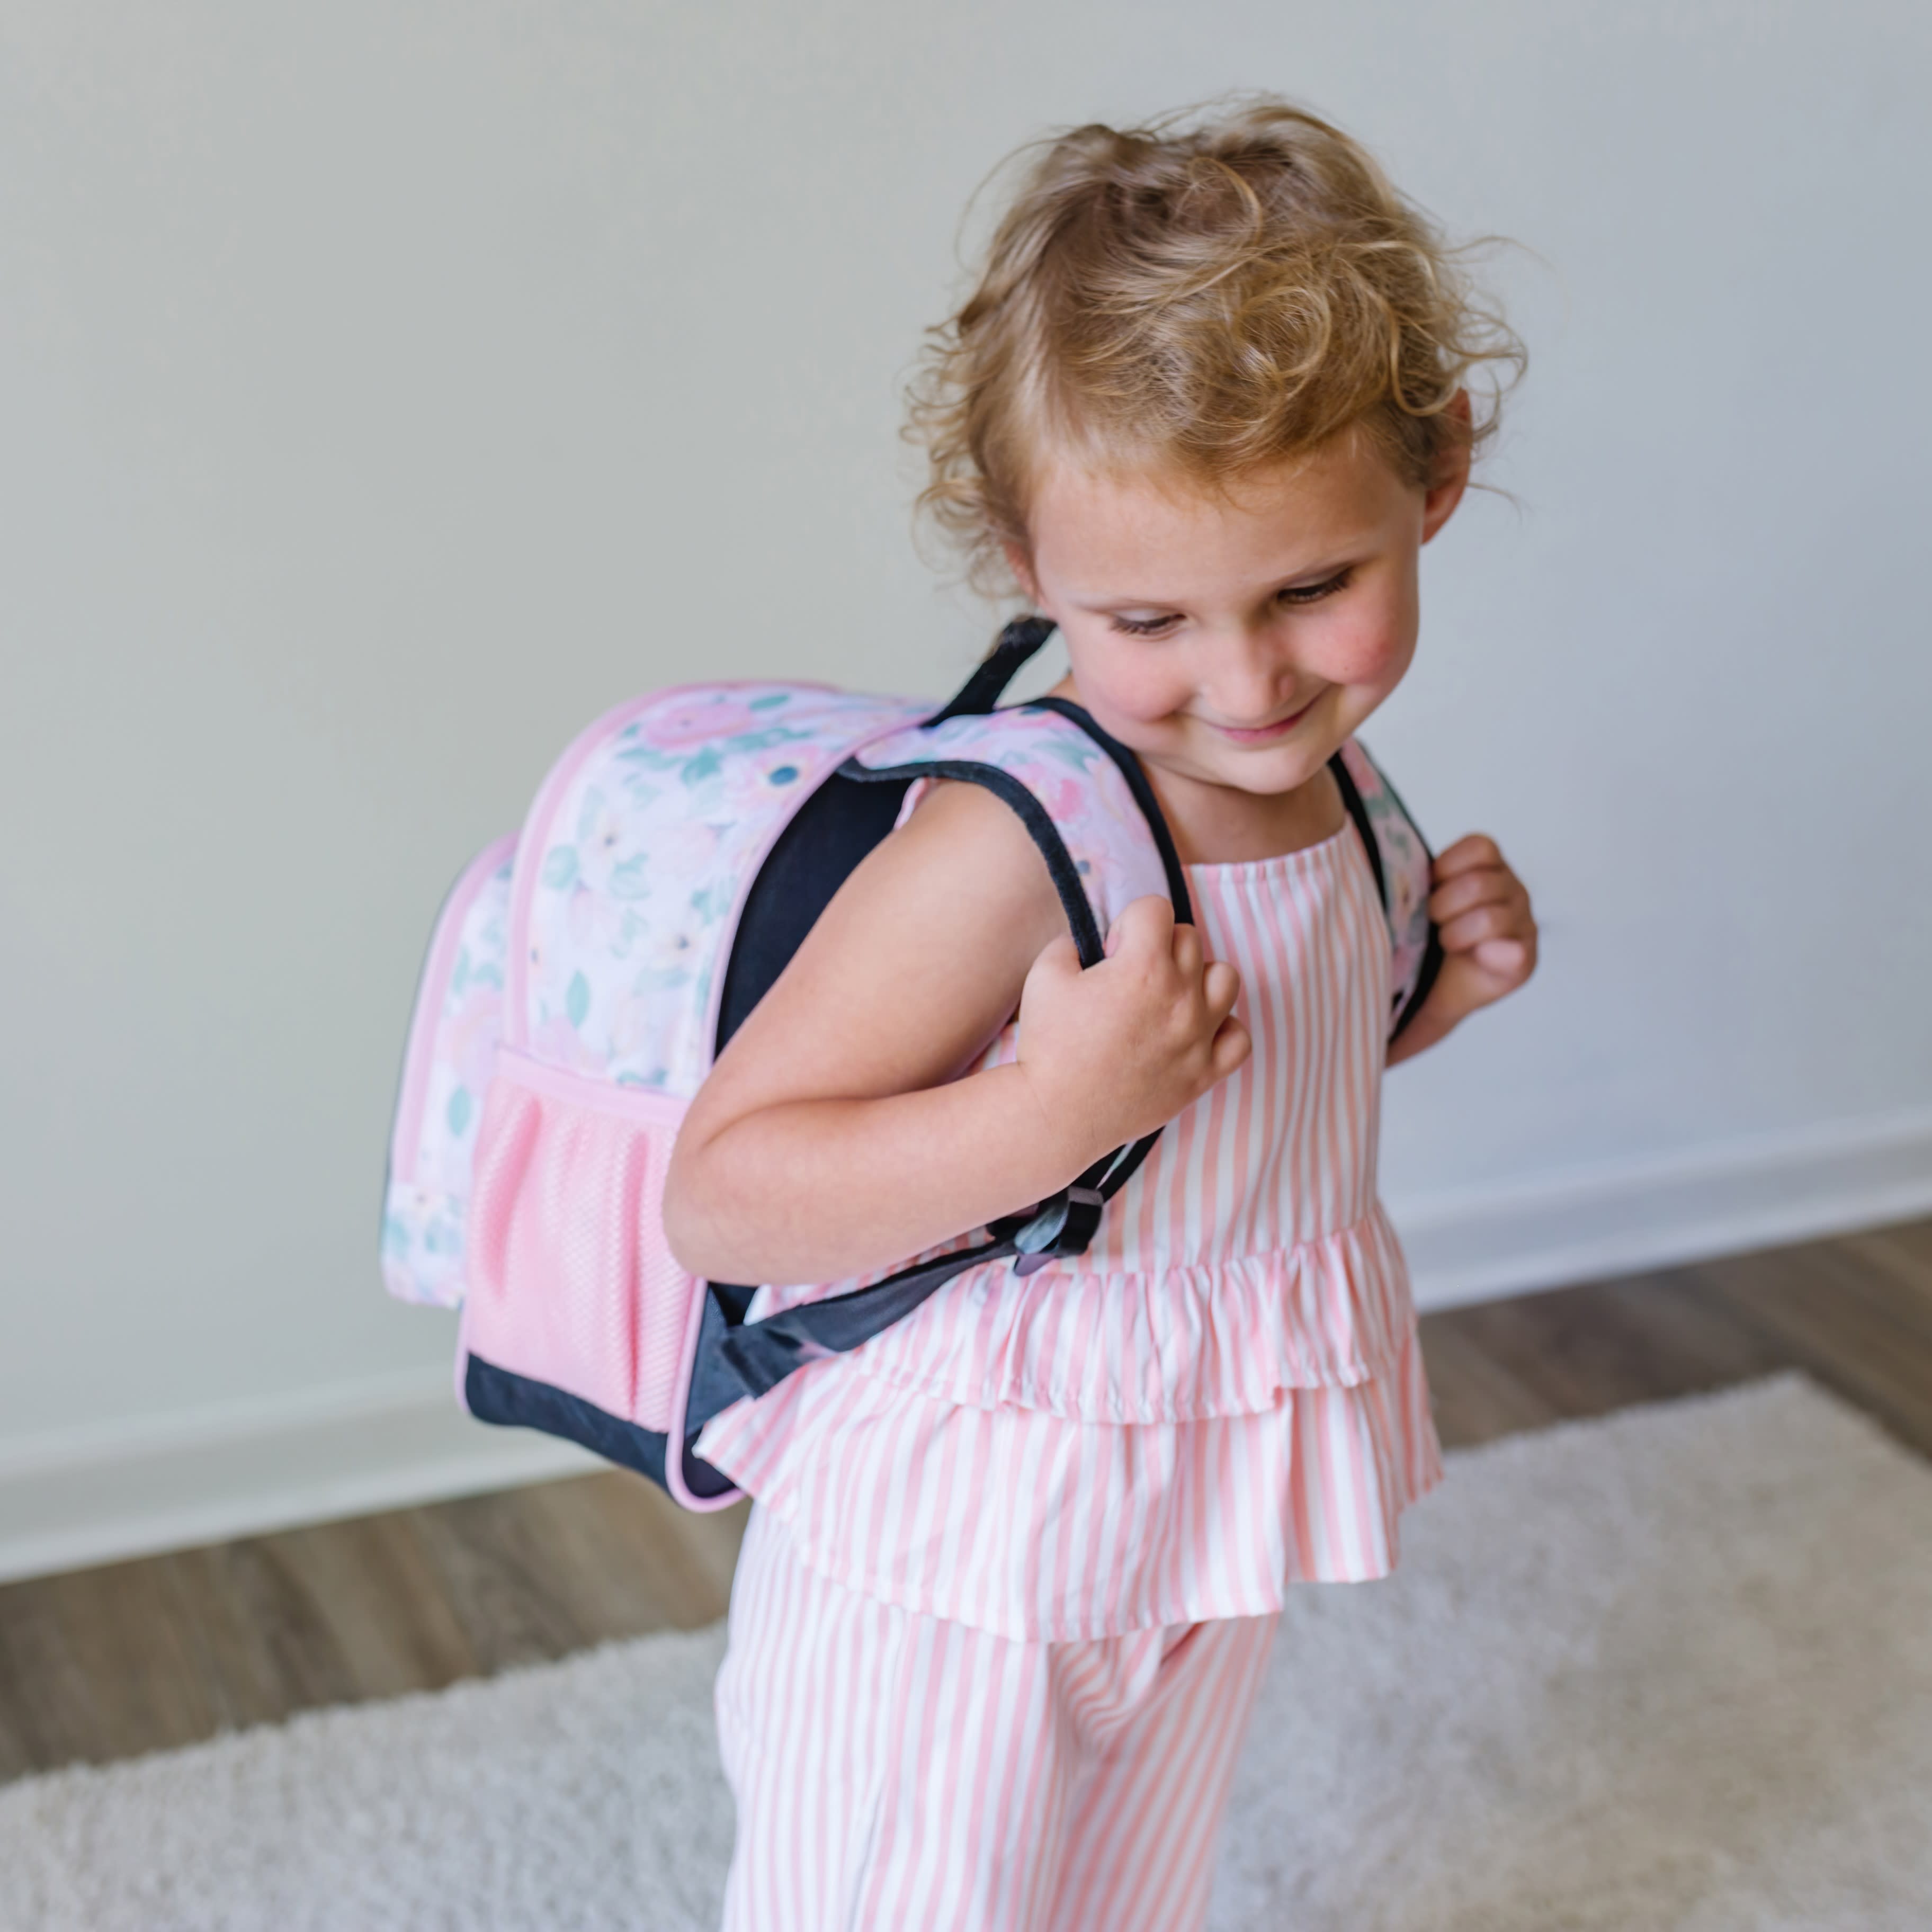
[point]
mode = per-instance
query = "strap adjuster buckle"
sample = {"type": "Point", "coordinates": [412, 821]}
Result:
{"type": "Point", "coordinates": [1063, 1224]}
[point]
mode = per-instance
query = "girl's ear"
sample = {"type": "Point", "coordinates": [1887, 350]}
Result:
{"type": "Point", "coordinates": [1452, 470]}
{"type": "Point", "coordinates": [1021, 565]}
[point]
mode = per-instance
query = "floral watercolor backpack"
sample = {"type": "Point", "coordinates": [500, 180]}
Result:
{"type": "Point", "coordinates": [583, 975]}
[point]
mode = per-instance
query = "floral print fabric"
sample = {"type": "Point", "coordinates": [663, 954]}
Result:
{"type": "Point", "coordinates": [1084, 795]}
{"type": "Point", "coordinates": [451, 1056]}
{"type": "Point", "coordinates": [1405, 872]}
{"type": "Point", "coordinates": [639, 862]}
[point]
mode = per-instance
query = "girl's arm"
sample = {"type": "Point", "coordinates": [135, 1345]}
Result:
{"type": "Point", "coordinates": [833, 1135]}
{"type": "Point", "coordinates": [1489, 935]}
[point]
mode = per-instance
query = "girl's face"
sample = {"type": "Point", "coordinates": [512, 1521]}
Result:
{"type": "Point", "coordinates": [1236, 641]}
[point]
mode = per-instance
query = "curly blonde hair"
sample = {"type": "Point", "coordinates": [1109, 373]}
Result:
{"type": "Point", "coordinates": [1204, 295]}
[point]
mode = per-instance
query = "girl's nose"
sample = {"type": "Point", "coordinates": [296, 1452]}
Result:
{"type": "Point", "coordinates": [1249, 682]}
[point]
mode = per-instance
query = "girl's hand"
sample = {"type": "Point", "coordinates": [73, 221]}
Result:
{"type": "Point", "coordinates": [1114, 1051]}
{"type": "Point", "coordinates": [1489, 935]}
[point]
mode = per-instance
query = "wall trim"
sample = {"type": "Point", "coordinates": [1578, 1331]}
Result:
{"type": "Point", "coordinates": [103, 1493]}
{"type": "Point", "coordinates": [1474, 1244]}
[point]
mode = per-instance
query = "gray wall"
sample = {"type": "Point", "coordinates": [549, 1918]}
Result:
{"type": "Point", "coordinates": [387, 389]}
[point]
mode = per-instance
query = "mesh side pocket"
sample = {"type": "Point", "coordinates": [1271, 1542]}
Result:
{"type": "Point", "coordinates": [570, 1282]}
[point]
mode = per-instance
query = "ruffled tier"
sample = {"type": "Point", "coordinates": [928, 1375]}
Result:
{"type": "Point", "coordinates": [1220, 1338]}
{"type": "Point", "coordinates": [1019, 1522]}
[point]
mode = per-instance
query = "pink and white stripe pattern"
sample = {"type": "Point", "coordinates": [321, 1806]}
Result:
{"type": "Point", "coordinates": [893, 1770]}
{"type": "Point", "coordinates": [1224, 1396]}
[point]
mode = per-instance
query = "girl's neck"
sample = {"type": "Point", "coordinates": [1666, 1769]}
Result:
{"type": "Point", "coordinates": [1220, 825]}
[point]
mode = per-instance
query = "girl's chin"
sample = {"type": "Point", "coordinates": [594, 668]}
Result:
{"type": "Point", "coordinates": [1268, 765]}
{"type": "Point", "coordinates": [1267, 772]}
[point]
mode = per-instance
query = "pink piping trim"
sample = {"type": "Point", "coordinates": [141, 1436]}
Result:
{"type": "Point", "coordinates": [1042, 724]}
{"type": "Point", "coordinates": [650, 1105]}
{"type": "Point", "coordinates": [674, 1434]}
{"type": "Point", "coordinates": [420, 1052]}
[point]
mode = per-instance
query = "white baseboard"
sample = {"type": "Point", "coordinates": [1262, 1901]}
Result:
{"type": "Point", "coordinates": [1474, 1244]}
{"type": "Point", "coordinates": [102, 1493]}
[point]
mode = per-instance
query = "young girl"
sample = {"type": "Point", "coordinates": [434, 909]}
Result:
{"type": "Point", "coordinates": [1014, 1565]}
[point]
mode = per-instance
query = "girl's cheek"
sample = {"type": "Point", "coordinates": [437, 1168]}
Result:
{"type": "Point", "coordinates": [1149, 702]}
{"type": "Point", "coordinates": [1127, 683]}
{"type": "Point", "coordinates": [1372, 651]}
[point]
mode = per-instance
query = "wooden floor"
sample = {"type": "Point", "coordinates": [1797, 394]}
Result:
{"type": "Point", "coordinates": [134, 1657]}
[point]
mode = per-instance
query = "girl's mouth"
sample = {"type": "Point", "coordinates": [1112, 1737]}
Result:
{"type": "Point", "coordinates": [1265, 734]}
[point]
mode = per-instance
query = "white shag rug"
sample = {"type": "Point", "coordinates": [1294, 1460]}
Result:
{"type": "Point", "coordinates": [1672, 1669]}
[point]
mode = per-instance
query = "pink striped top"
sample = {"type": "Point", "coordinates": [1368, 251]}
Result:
{"type": "Point", "coordinates": [1224, 1395]}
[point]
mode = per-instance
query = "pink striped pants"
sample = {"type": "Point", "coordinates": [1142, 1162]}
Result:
{"type": "Point", "coordinates": [895, 1770]}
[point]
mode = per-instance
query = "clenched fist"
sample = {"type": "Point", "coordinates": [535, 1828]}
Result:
{"type": "Point", "coordinates": [1118, 1049]}
{"type": "Point", "coordinates": [1483, 912]}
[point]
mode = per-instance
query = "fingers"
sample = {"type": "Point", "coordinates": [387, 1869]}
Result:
{"type": "Point", "coordinates": [1058, 958]}
{"type": "Point", "coordinates": [1232, 1044]}
{"type": "Point", "coordinates": [1482, 910]}
{"type": "Point", "coordinates": [1221, 985]}
{"type": "Point", "coordinates": [1503, 920]}
{"type": "Point", "coordinates": [1508, 958]}
{"type": "Point", "coordinates": [1184, 947]}
{"type": "Point", "coordinates": [1146, 925]}
{"type": "Point", "coordinates": [1491, 886]}
{"type": "Point", "coordinates": [1470, 853]}
{"type": "Point", "coordinates": [1477, 899]}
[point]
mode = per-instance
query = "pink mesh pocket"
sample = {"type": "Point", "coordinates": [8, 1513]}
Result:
{"type": "Point", "coordinates": [570, 1282]}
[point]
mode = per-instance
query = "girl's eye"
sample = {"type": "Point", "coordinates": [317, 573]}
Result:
{"type": "Point", "coordinates": [1313, 593]}
{"type": "Point", "coordinates": [1296, 593]}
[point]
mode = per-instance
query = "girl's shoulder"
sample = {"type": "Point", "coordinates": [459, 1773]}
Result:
{"type": "Point", "coordinates": [1016, 828]}
{"type": "Point", "coordinates": [960, 857]}
{"type": "Point", "coordinates": [1083, 804]}
{"type": "Point", "coordinates": [915, 965]}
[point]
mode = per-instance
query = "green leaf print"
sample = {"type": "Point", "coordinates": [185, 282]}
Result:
{"type": "Point", "coordinates": [1079, 754]}
{"type": "Point", "coordinates": [460, 1106]}
{"type": "Point", "coordinates": [560, 867]}
{"type": "Point", "coordinates": [576, 1000]}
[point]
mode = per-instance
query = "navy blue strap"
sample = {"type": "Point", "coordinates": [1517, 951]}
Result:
{"type": "Point", "coordinates": [981, 691]}
{"type": "Point", "coordinates": [1131, 769]}
{"type": "Point", "coordinates": [1358, 813]}
{"type": "Point", "coordinates": [749, 1358]}
{"type": "Point", "coordinates": [1034, 816]}
{"type": "Point", "coordinates": [1431, 954]}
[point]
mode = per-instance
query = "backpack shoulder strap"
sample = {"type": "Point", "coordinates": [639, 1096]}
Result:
{"type": "Point", "coordinates": [1082, 796]}
{"type": "Point", "coordinates": [1086, 802]}
{"type": "Point", "coordinates": [1399, 857]}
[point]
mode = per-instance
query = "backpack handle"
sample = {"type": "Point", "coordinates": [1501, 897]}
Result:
{"type": "Point", "coordinates": [981, 691]}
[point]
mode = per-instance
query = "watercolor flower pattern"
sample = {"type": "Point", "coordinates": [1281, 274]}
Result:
{"type": "Point", "coordinates": [422, 1220]}
{"type": "Point", "coordinates": [646, 857]}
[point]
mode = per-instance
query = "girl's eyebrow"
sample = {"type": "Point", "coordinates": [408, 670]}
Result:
{"type": "Point", "coordinates": [1114, 606]}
